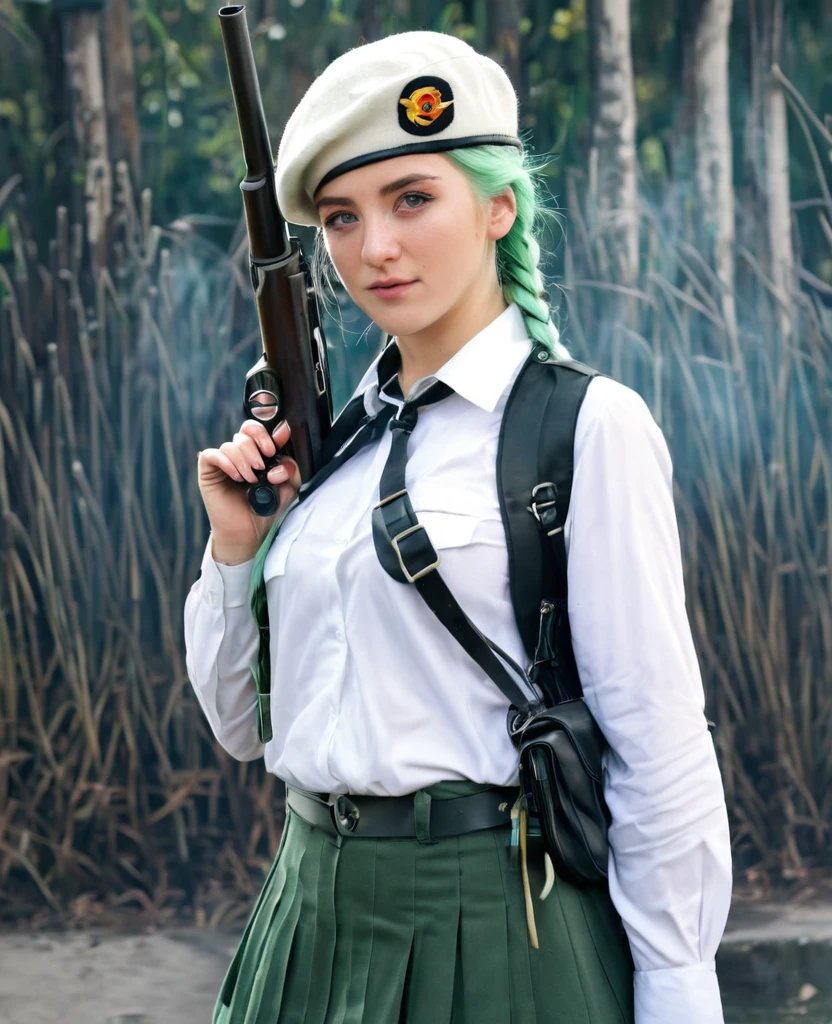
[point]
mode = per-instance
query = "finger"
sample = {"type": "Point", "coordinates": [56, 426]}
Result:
{"type": "Point", "coordinates": [214, 457]}
{"type": "Point", "coordinates": [248, 446]}
{"type": "Point", "coordinates": [286, 472]}
{"type": "Point", "coordinates": [240, 461]}
{"type": "Point", "coordinates": [295, 479]}
{"type": "Point", "coordinates": [260, 435]}
{"type": "Point", "coordinates": [281, 434]}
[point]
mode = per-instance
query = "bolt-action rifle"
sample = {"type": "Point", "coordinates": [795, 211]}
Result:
{"type": "Point", "coordinates": [291, 379]}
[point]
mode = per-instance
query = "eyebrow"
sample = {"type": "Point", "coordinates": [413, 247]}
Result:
{"type": "Point", "coordinates": [385, 190]}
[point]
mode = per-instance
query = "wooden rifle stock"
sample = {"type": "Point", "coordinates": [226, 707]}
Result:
{"type": "Point", "coordinates": [291, 380]}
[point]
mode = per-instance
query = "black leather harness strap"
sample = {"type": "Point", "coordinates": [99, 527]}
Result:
{"type": "Point", "coordinates": [408, 556]}
{"type": "Point", "coordinates": [395, 817]}
{"type": "Point", "coordinates": [534, 487]}
{"type": "Point", "coordinates": [541, 411]}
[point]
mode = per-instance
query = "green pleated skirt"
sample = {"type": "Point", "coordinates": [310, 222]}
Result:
{"type": "Point", "coordinates": [397, 931]}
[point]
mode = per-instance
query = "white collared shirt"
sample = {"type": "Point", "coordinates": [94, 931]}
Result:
{"type": "Point", "coordinates": [370, 694]}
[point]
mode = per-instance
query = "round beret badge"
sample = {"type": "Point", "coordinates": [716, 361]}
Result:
{"type": "Point", "coordinates": [426, 106]}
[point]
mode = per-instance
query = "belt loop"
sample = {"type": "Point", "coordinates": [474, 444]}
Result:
{"type": "Point", "coordinates": [421, 816]}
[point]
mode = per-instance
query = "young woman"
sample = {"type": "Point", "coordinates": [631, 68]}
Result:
{"type": "Point", "coordinates": [405, 153]}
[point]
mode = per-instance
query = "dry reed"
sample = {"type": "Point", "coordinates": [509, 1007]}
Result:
{"type": "Point", "coordinates": [112, 791]}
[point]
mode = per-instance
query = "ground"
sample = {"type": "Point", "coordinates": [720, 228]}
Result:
{"type": "Point", "coordinates": [163, 977]}
{"type": "Point", "coordinates": [775, 965]}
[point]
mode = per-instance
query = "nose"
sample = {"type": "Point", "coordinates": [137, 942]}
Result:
{"type": "Point", "coordinates": [380, 244]}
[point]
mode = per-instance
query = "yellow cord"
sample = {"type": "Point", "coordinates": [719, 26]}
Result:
{"type": "Point", "coordinates": [527, 892]}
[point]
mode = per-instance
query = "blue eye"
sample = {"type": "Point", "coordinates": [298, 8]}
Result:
{"type": "Point", "coordinates": [423, 200]}
{"type": "Point", "coordinates": [333, 220]}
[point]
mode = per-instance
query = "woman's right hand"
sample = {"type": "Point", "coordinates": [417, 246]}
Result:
{"type": "Point", "coordinates": [224, 474]}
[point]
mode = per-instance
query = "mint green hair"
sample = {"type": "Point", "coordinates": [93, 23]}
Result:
{"type": "Point", "coordinates": [490, 170]}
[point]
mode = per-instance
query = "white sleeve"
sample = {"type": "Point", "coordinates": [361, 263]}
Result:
{"type": "Point", "coordinates": [670, 864]}
{"type": "Point", "coordinates": [221, 641]}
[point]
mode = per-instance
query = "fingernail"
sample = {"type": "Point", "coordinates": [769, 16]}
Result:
{"type": "Point", "coordinates": [278, 473]}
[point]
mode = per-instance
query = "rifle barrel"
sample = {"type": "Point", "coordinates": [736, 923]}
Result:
{"type": "Point", "coordinates": [268, 234]}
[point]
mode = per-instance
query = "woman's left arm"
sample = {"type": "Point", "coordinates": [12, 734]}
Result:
{"type": "Point", "coordinates": [670, 864]}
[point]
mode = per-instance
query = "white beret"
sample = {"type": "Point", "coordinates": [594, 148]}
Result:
{"type": "Point", "coordinates": [414, 92]}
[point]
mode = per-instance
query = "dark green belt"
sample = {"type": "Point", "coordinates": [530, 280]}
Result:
{"type": "Point", "coordinates": [415, 816]}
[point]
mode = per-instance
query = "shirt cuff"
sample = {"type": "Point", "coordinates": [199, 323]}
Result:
{"type": "Point", "coordinates": [678, 995]}
{"type": "Point", "coordinates": [224, 586]}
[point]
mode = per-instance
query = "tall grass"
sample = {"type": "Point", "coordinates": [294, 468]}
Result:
{"type": "Point", "coordinates": [751, 440]}
{"type": "Point", "coordinates": [112, 792]}
{"type": "Point", "coordinates": [110, 785]}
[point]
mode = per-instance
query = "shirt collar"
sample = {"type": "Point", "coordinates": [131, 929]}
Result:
{"type": "Point", "coordinates": [479, 372]}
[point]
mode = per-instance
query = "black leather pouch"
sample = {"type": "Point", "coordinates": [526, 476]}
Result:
{"type": "Point", "coordinates": [560, 773]}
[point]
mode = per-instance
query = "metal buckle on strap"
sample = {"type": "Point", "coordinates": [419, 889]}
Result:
{"type": "Point", "coordinates": [536, 506]}
{"type": "Point", "coordinates": [422, 572]}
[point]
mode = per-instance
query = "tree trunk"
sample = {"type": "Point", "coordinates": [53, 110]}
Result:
{"type": "Point", "coordinates": [122, 122]}
{"type": "Point", "coordinates": [613, 192]}
{"type": "Point", "coordinates": [82, 57]}
{"type": "Point", "coordinates": [504, 30]}
{"type": "Point", "coordinates": [778, 199]}
{"type": "Point", "coordinates": [682, 147]}
{"type": "Point", "coordinates": [370, 21]}
{"type": "Point", "coordinates": [714, 159]}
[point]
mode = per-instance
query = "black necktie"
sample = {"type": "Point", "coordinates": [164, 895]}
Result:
{"type": "Point", "coordinates": [364, 429]}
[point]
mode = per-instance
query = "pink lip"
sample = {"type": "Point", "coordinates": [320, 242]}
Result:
{"type": "Point", "coordinates": [391, 291]}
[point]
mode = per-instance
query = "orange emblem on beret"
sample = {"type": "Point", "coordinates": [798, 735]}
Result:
{"type": "Point", "coordinates": [424, 106]}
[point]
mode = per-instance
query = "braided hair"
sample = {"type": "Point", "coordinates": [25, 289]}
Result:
{"type": "Point", "coordinates": [490, 171]}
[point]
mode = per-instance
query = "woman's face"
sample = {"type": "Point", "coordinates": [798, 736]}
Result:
{"type": "Point", "coordinates": [410, 241]}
